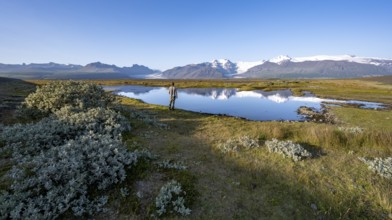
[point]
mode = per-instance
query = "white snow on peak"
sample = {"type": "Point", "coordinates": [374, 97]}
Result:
{"type": "Point", "coordinates": [280, 59]}
{"type": "Point", "coordinates": [324, 57]}
{"type": "Point", "coordinates": [230, 67]}
{"type": "Point", "coordinates": [239, 67]}
{"type": "Point", "coordinates": [243, 66]}
{"type": "Point", "coordinates": [348, 58]}
{"type": "Point", "coordinates": [219, 63]}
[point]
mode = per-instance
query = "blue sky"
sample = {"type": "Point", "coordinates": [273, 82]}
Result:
{"type": "Point", "coordinates": [162, 34]}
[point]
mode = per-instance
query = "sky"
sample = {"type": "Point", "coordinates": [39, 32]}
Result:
{"type": "Point", "coordinates": [162, 34]}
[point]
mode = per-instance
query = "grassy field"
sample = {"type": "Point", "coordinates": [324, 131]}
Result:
{"type": "Point", "coordinates": [257, 184]}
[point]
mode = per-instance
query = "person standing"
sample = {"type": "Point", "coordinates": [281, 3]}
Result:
{"type": "Point", "coordinates": [173, 96]}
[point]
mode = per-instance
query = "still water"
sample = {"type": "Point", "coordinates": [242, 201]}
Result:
{"type": "Point", "coordinates": [253, 105]}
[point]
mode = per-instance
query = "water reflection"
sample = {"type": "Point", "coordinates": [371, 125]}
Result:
{"type": "Point", "coordinates": [253, 105]}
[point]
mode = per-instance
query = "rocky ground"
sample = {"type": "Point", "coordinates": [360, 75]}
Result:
{"type": "Point", "coordinates": [324, 116]}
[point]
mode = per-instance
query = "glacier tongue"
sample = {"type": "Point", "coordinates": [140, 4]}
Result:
{"type": "Point", "coordinates": [243, 66]}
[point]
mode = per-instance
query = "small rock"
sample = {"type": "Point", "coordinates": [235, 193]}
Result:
{"type": "Point", "coordinates": [313, 206]}
{"type": "Point", "coordinates": [390, 215]}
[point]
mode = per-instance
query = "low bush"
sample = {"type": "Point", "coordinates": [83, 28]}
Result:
{"type": "Point", "coordinates": [63, 160]}
{"type": "Point", "coordinates": [171, 199]}
{"type": "Point", "coordinates": [52, 181]}
{"type": "Point", "coordinates": [352, 130]}
{"type": "Point", "coordinates": [288, 149]}
{"type": "Point", "coordinates": [27, 140]}
{"type": "Point", "coordinates": [382, 167]}
{"type": "Point", "coordinates": [236, 144]}
{"type": "Point", "coordinates": [167, 164]}
{"type": "Point", "coordinates": [58, 94]}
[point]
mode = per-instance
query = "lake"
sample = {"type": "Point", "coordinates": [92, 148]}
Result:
{"type": "Point", "coordinates": [253, 105]}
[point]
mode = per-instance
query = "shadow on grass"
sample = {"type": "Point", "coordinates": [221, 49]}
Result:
{"type": "Point", "coordinates": [12, 94]}
{"type": "Point", "coordinates": [316, 151]}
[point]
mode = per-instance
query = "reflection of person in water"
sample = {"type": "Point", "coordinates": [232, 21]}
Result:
{"type": "Point", "coordinates": [173, 96]}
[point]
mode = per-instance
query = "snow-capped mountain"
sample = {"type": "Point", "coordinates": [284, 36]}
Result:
{"type": "Point", "coordinates": [219, 68]}
{"type": "Point", "coordinates": [280, 59]}
{"type": "Point", "coordinates": [284, 66]}
{"type": "Point", "coordinates": [349, 58]}
{"type": "Point", "coordinates": [234, 68]}
{"type": "Point", "coordinates": [225, 66]}
{"type": "Point", "coordinates": [321, 66]}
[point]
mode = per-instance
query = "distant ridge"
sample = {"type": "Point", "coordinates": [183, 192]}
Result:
{"type": "Point", "coordinates": [96, 70]}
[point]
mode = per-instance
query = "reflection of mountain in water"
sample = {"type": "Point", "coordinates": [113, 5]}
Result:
{"type": "Point", "coordinates": [214, 93]}
{"type": "Point", "coordinates": [278, 96]}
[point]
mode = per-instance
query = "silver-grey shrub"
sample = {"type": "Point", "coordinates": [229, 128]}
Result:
{"type": "Point", "coordinates": [167, 164]}
{"type": "Point", "coordinates": [382, 167]}
{"type": "Point", "coordinates": [236, 144]}
{"type": "Point", "coordinates": [288, 149]}
{"type": "Point", "coordinates": [27, 140]}
{"type": "Point", "coordinates": [54, 180]}
{"type": "Point", "coordinates": [352, 130]}
{"type": "Point", "coordinates": [61, 158]}
{"type": "Point", "coordinates": [171, 199]}
{"type": "Point", "coordinates": [58, 94]}
{"type": "Point", "coordinates": [248, 142]}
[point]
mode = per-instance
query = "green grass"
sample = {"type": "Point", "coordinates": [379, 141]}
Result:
{"type": "Point", "coordinates": [370, 119]}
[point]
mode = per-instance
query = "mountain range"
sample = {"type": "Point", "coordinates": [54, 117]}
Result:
{"type": "Point", "coordinates": [95, 70]}
{"type": "Point", "coordinates": [344, 66]}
